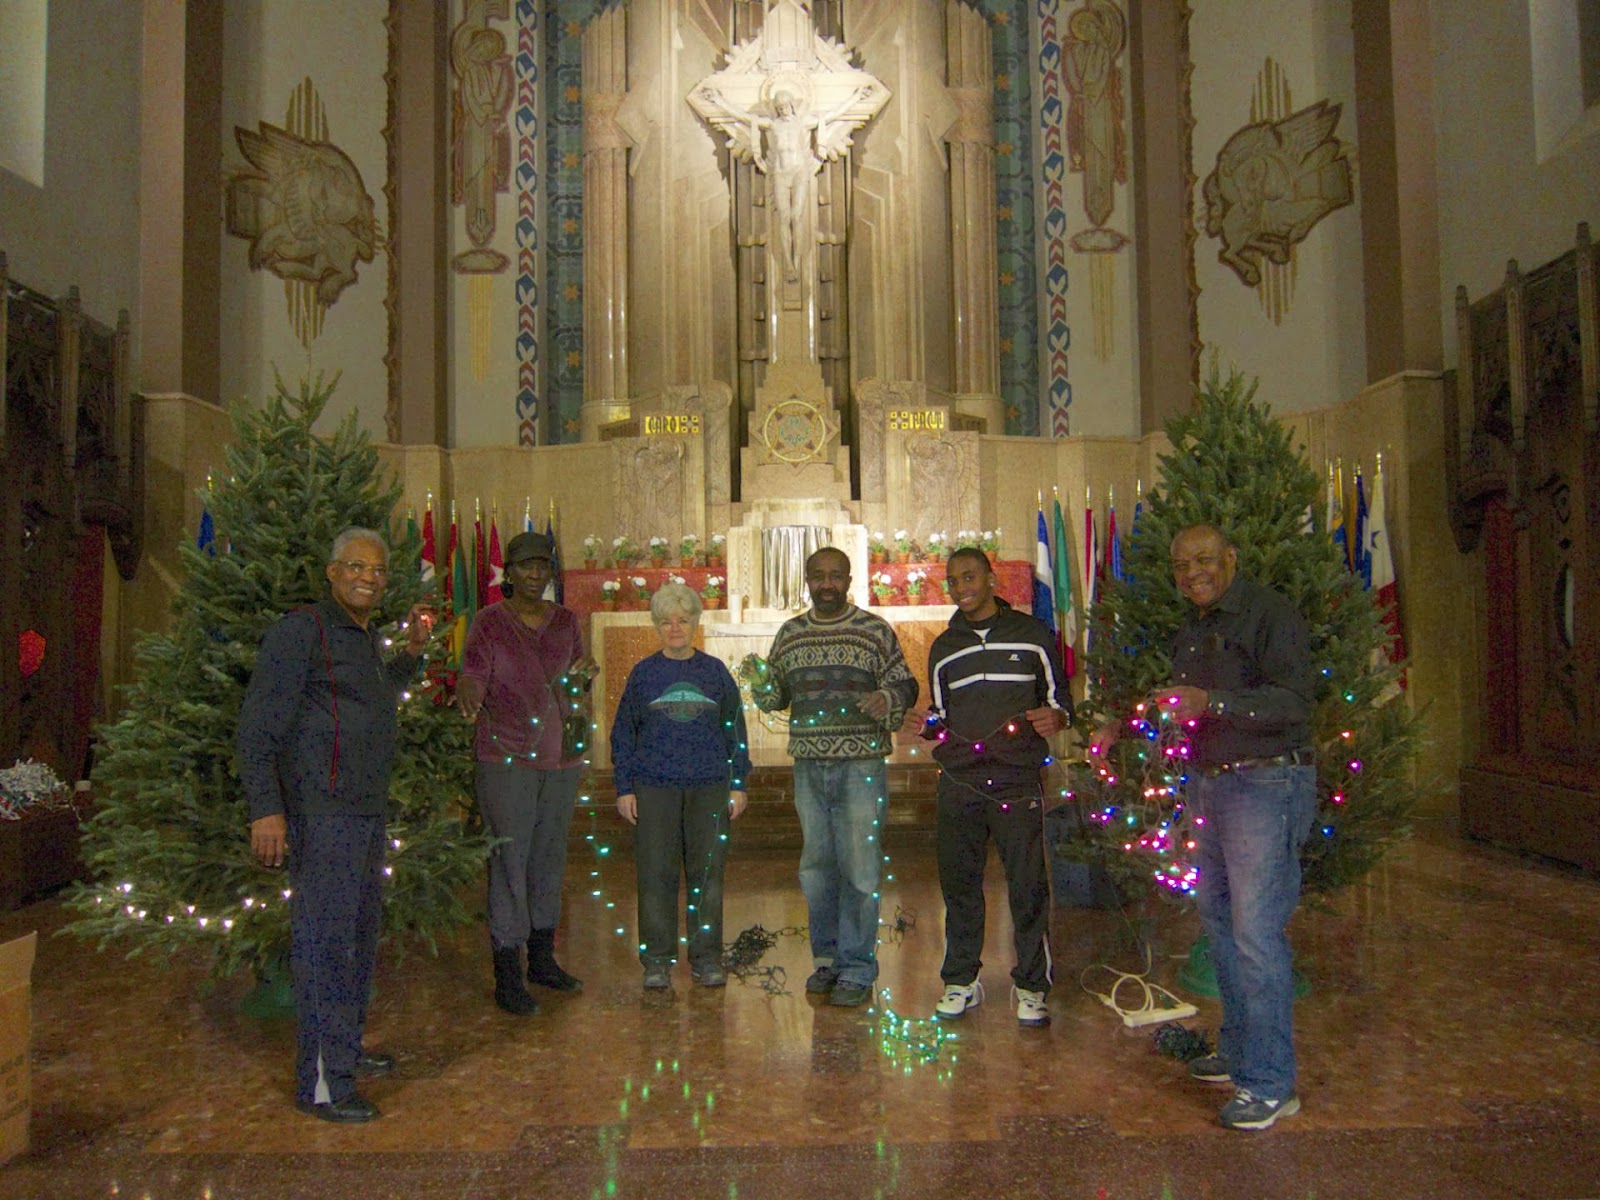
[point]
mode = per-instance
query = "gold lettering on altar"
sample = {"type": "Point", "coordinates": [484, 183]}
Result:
{"type": "Point", "coordinates": [917, 418]}
{"type": "Point", "coordinates": [671, 423]}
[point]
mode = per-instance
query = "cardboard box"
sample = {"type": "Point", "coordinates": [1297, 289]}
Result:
{"type": "Point", "coordinates": [16, 1011]}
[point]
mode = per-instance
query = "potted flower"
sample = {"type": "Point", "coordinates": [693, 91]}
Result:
{"type": "Point", "coordinates": [711, 593]}
{"type": "Point", "coordinates": [989, 541]}
{"type": "Point", "coordinates": [591, 552]}
{"type": "Point", "coordinates": [965, 538]}
{"type": "Point", "coordinates": [902, 545]}
{"type": "Point", "coordinates": [716, 550]}
{"type": "Point", "coordinates": [934, 550]}
{"type": "Point", "coordinates": [623, 551]}
{"type": "Point", "coordinates": [877, 547]}
{"type": "Point", "coordinates": [658, 552]}
{"type": "Point", "coordinates": [882, 588]}
{"type": "Point", "coordinates": [914, 586]}
{"type": "Point", "coordinates": [687, 545]}
{"type": "Point", "coordinates": [641, 591]}
{"type": "Point", "coordinates": [608, 594]}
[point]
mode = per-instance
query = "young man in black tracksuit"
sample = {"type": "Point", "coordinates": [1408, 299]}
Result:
{"type": "Point", "coordinates": [997, 693]}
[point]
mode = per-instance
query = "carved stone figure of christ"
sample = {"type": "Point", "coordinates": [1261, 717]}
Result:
{"type": "Point", "coordinates": [790, 161]}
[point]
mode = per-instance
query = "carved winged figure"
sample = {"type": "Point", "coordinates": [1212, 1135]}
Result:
{"type": "Point", "coordinates": [303, 207]}
{"type": "Point", "coordinates": [1273, 181]}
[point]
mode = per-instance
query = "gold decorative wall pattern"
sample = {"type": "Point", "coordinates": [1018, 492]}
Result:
{"type": "Point", "coordinates": [301, 204]}
{"type": "Point", "coordinates": [1275, 178]}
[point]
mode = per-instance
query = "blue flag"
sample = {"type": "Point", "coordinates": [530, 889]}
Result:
{"type": "Point", "coordinates": [557, 590]}
{"type": "Point", "coordinates": [1044, 604]}
{"type": "Point", "coordinates": [206, 539]}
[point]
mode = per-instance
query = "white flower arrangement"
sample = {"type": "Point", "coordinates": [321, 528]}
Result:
{"type": "Point", "coordinates": [902, 541]}
{"type": "Point", "coordinates": [717, 540]}
{"type": "Point", "coordinates": [658, 547]}
{"type": "Point", "coordinates": [676, 579]}
{"type": "Point", "coordinates": [28, 783]}
{"type": "Point", "coordinates": [639, 581]}
{"type": "Point", "coordinates": [876, 542]}
{"type": "Point", "coordinates": [591, 546]}
{"type": "Point", "coordinates": [687, 545]}
{"type": "Point", "coordinates": [989, 540]}
{"type": "Point", "coordinates": [936, 540]}
{"type": "Point", "coordinates": [882, 584]}
{"type": "Point", "coordinates": [914, 582]}
{"type": "Point", "coordinates": [610, 588]}
{"type": "Point", "coordinates": [713, 587]}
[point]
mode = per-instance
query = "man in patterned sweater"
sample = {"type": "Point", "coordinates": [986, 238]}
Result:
{"type": "Point", "coordinates": [841, 674]}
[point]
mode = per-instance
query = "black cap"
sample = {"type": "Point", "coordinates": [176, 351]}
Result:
{"type": "Point", "coordinates": [529, 544]}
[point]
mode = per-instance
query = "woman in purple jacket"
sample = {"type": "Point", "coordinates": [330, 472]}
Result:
{"type": "Point", "coordinates": [522, 657]}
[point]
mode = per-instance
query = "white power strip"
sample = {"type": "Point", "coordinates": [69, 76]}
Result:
{"type": "Point", "coordinates": [1153, 1016]}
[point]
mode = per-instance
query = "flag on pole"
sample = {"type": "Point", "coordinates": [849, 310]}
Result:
{"type": "Point", "coordinates": [1091, 571]}
{"type": "Point", "coordinates": [1380, 559]}
{"type": "Point", "coordinates": [480, 560]}
{"type": "Point", "coordinates": [206, 539]}
{"type": "Point", "coordinates": [556, 590]}
{"type": "Point", "coordinates": [1336, 531]}
{"type": "Point", "coordinates": [1066, 610]}
{"type": "Point", "coordinates": [1113, 540]}
{"type": "Point", "coordinates": [1044, 605]}
{"type": "Point", "coordinates": [459, 590]}
{"type": "Point", "coordinates": [497, 565]}
{"type": "Point", "coordinates": [430, 553]}
{"type": "Point", "coordinates": [1360, 553]}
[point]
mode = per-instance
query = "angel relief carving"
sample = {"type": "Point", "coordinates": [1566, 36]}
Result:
{"type": "Point", "coordinates": [1273, 181]}
{"type": "Point", "coordinates": [303, 207]}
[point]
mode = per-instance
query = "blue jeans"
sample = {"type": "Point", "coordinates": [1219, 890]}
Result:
{"type": "Point", "coordinates": [1248, 853]}
{"type": "Point", "coordinates": [842, 803]}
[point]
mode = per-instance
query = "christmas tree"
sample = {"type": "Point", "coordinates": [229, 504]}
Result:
{"type": "Point", "coordinates": [169, 843]}
{"type": "Point", "coordinates": [1232, 466]}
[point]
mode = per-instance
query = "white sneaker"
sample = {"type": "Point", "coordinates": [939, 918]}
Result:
{"type": "Point", "coordinates": [1032, 1010]}
{"type": "Point", "coordinates": [957, 999]}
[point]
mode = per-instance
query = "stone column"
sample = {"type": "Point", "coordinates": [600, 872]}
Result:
{"type": "Point", "coordinates": [605, 222]}
{"type": "Point", "coordinates": [974, 276]}
{"type": "Point", "coordinates": [180, 189]}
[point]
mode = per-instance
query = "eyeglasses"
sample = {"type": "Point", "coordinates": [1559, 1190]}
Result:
{"type": "Point", "coordinates": [353, 567]}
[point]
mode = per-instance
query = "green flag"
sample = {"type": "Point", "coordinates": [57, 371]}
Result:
{"type": "Point", "coordinates": [1066, 606]}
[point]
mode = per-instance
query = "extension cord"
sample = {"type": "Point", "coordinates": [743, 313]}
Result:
{"type": "Point", "coordinates": [1159, 1016]}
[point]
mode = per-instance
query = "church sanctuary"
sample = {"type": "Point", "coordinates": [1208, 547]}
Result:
{"type": "Point", "coordinates": [639, 304]}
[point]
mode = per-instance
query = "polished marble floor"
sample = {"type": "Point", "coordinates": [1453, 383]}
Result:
{"type": "Point", "coordinates": [1449, 1045]}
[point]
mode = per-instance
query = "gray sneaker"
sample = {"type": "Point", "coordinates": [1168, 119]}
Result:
{"type": "Point", "coordinates": [1249, 1111]}
{"type": "Point", "coordinates": [822, 980]}
{"type": "Point", "coordinates": [849, 995]}
{"type": "Point", "coordinates": [657, 977]}
{"type": "Point", "coordinates": [1210, 1068]}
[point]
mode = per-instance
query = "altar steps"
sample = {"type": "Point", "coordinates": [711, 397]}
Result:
{"type": "Point", "coordinates": [770, 822]}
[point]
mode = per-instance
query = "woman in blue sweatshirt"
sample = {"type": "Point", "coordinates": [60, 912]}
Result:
{"type": "Point", "coordinates": [680, 760]}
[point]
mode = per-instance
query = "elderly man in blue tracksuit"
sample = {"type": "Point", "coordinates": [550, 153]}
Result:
{"type": "Point", "coordinates": [998, 693]}
{"type": "Point", "coordinates": [316, 739]}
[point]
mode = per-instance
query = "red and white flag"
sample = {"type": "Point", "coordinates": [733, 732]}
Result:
{"type": "Point", "coordinates": [1385, 591]}
{"type": "Point", "coordinates": [430, 554]}
{"type": "Point", "coordinates": [497, 565]}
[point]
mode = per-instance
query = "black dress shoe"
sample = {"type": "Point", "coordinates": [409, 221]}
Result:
{"type": "Point", "coordinates": [352, 1110]}
{"type": "Point", "coordinates": [369, 1066]}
